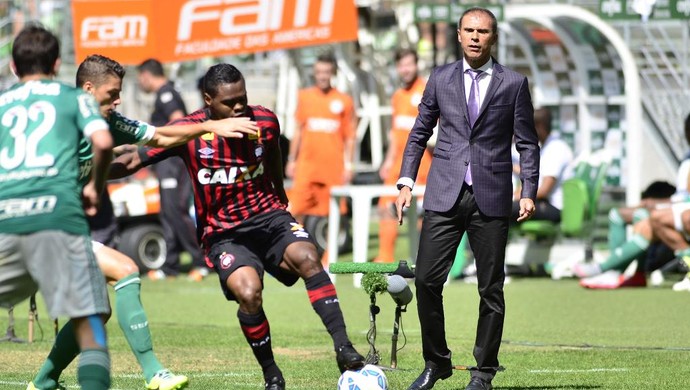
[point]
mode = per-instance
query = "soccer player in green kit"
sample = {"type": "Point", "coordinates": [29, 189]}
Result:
{"type": "Point", "coordinates": [102, 77]}
{"type": "Point", "coordinates": [44, 236]}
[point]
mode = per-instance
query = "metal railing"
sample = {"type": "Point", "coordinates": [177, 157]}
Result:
{"type": "Point", "coordinates": [662, 50]}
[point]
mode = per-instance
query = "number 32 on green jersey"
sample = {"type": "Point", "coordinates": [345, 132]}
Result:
{"type": "Point", "coordinates": [41, 117]}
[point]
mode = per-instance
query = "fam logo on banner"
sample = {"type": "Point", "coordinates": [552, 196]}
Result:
{"type": "Point", "coordinates": [120, 30]}
{"type": "Point", "coordinates": [133, 31]}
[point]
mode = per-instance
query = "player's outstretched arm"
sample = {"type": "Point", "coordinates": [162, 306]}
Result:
{"type": "Point", "coordinates": [169, 136]}
{"type": "Point", "coordinates": [125, 164]}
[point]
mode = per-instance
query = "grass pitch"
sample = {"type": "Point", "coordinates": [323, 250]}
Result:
{"type": "Point", "coordinates": [557, 336]}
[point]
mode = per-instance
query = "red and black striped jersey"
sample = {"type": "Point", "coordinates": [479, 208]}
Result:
{"type": "Point", "coordinates": [227, 174]}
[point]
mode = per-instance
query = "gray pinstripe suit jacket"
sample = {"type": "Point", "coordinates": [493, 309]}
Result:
{"type": "Point", "coordinates": [506, 111]}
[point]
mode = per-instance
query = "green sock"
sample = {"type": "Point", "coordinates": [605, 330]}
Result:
{"type": "Point", "coordinates": [621, 257]}
{"type": "Point", "coordinates": [639, 215]}
{"type": "Point", "coordinates": [684, 255]}
{"type": "Point", "coordinates": [616, 229]}
{"type": "Point", "coordinates": [459, 262]}
{"type": "Point", "coordinates": [93, 372]}
{"type": "Point", "coordinates": [61, 355]}
{"type": "Point", "coordinates": [135, 325]}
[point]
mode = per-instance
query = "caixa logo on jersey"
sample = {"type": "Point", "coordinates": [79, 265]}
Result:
{"type": "Point", "coordinates": [230, 175]}
{"type": "Point", "coordinates": [113, 31]}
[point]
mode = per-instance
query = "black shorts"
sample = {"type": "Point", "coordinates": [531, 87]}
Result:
{"type": "Point", "coordinates": [258, 242]}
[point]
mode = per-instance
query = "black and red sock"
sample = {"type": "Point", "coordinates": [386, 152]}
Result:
{"type": "Point", "coordinates": [324, 300]}
{"type": "Point", "coordinates": [258, 334]}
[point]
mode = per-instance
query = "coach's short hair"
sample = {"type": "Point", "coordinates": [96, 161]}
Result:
{"type": "Point", "coordinates": [97, 68]}
{"type": "Point", "coordinates": [220, 74]}
{"type": "Point", "coordinates": [152, 66]}
{"type": "Point", "coordinates": [494, 22]}
{"type": "Point", "coordinates": [35, 51]}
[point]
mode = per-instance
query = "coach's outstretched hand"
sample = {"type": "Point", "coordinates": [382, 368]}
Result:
{"type": "Point", "coordinates": [403, 201]}
{"type": "Point", "coordinates": [234, 127]}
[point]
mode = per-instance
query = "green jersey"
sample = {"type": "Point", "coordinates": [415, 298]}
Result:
{"type": "Point", "coordinates": [124, 131]}
{"type": "Point", "coordinates": [42, 123]}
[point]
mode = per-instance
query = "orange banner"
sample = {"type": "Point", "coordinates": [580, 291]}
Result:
{"type": "Point", "coordinates": [177, 30]}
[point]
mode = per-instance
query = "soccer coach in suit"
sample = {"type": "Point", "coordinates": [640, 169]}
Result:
{"type": "Point", "coordinates": [469, 188]}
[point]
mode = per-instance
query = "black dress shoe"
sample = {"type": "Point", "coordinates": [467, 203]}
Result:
{"type": "Point", "coordinates": [429, 376]}
{"type": "Point", "coordinates": [479, 384]}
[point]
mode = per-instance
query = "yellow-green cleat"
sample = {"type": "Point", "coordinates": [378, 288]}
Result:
{"type": "Point", "coordinates": [166, 380]}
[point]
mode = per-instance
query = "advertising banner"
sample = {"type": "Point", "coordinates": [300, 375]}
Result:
{"type": "Point", "coordinates": [177, 30]}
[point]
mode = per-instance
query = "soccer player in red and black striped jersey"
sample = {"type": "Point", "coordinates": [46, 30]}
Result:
{"type": "Point", "coordinates": [242, 222]}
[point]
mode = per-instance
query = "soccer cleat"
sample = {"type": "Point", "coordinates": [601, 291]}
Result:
{"type": "Point", "coordinates": [275, 383]}
{"type": "Point", "coordinates": [560, 270]}
{"type": "Point", "coordinates": [156, 274]}
{"type": "Point", "coordinates": [606, 281]}
{"type": "Point", "coordinates": [348, 358]}
{"type": "Point", "coordinates": [197, 274]}
{"type": "Point", "coordinates": [638, 279]}
{"type": "Point", "coordinates": [656, 278]}
{"type": "Point", "coordinates": [586, 270]}
{"type": "Point", "coordinates": [685, 261]}
{"type": "Point", "coordinates": [683, 285]}
{"type": "Point", "coordinates": [166, 380]}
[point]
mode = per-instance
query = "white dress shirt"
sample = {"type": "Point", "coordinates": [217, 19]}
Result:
{"type": "Point", "coordinates": [484, 81]}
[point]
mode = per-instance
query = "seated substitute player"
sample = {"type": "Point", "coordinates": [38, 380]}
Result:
{"type": "Point", "coordinates": [607, 273]}
{"type": "Point", "coordinates": [44, 236]}
{"type": "Point", "coordinates": [102, 77]}
{"type": "Point", "coordinates": [243, 225]}
{"type": "Point", "coordinates": [672, 222]}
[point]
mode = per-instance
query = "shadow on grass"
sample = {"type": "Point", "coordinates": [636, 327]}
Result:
{"type": "Point", "coordinates": [547, 387]}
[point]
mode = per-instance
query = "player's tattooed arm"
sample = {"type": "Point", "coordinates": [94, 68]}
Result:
{"type": "Point", "coordinates": [173, 135]}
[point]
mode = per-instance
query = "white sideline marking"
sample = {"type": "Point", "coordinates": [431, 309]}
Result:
{"type": "Point", "coordinates": [129, 376]}
{"type": "Point", "coordinates": [199, 375]}
{"type": "Point", "coordinates": [577, 371]}
{"type": "Point", "coordinates": [24, 384]}
{"type": "Point", "coordinates": [138, 375]}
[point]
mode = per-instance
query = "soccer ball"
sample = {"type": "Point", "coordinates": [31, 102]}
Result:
{"type": "Point", "coordinates": [368, 377]}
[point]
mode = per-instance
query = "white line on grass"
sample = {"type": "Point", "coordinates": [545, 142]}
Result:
{"type": "Point", "coordinates": [578, 371]}
{"type": "Point", "coordinates": [24, 384]}
{"type": "Point", "coordinates": [199, 375]}
{"type": "Point", "coordinates": [192, 376]}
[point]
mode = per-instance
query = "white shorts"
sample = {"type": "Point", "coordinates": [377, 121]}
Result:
{"type": "Point", "coordinates": [678, 209]}
{"type": "Point", "coordinates": [61, 265]}
{"type": "Point", "coordinates": [96, 246]}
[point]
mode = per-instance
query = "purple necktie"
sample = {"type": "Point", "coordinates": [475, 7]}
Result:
{"type": "Point", "coordinates": [473, 101]}
{"type": "Point", "coordinates": [472, 110]}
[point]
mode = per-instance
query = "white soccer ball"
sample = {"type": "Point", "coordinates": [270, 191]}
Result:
{"type": "Point", "coordinates": [368, 377]}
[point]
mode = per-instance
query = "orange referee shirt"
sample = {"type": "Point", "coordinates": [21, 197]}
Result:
{"type": "Point", "coordinates": [404, 103]}
{"type": "Point", "coordinates": [326, 120]}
